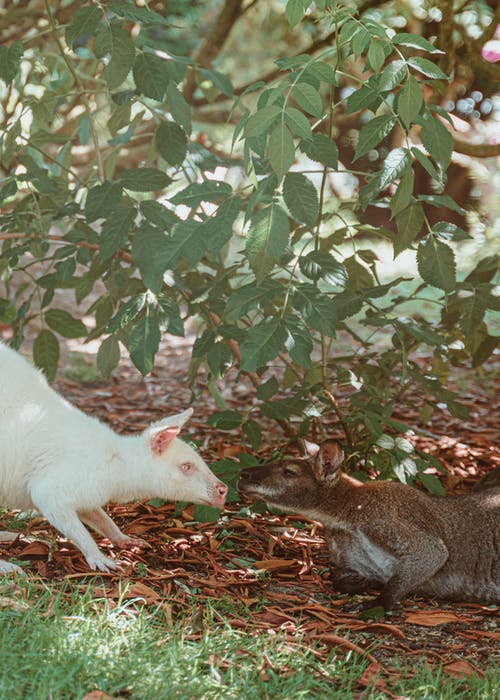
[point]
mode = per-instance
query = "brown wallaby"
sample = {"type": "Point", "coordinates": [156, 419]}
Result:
{"type": "Point", "coordinates": [389, 535]}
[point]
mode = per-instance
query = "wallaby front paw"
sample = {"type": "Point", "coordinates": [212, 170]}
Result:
{"type": "Point", "coordinates": [7, 568]}
{"type": "Point", "coordinates": [101, 562]}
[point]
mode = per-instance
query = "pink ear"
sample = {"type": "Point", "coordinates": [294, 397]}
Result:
{"type": "Point", "coordinates": [162, 440]}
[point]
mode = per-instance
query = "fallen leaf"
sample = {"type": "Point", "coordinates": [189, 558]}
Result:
{"type": "Point", "coordinates": [274, 564]}
{"type": "Point", "coordinates": [433, 618]}
{"type": "Point", "coordinates": [461, 668]}
{"type": "Point", "coordinates": [140, 590]}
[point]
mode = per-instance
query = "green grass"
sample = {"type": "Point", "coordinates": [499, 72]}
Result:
{"type": "Point", "coordinates": [57, 643]}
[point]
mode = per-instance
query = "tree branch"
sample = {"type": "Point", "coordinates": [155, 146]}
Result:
{"type": "Point", "coordinates": [214, 42]}
{"type": "Point", "coordinates": [476, 150]}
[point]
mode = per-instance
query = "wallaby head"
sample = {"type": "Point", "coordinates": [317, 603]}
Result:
{"type": "Point", "coordinates": [179, 473]}
{"type": "Point", "coordinates": [296, 484]}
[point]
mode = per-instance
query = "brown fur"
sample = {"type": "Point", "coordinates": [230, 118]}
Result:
{"type": "Point", "coordinates": [389, 535]}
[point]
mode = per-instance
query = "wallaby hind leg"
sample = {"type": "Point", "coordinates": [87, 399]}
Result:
{"type": "Point", "coordinates": [100, 521]}
{"type": "Point", "coordinates": [427, 557]}
{"type": "Point", "coordinates": [352, 582]}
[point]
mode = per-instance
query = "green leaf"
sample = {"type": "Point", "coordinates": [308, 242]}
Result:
{"type": "Point", "coordinates": [225, 420]}
{"type": "Point", "coordinates": [392, 75]}
{"type": "Point", "coordinates": [197, 192]}
{"type": "Point", "coordinates": [63, 323]}
{"type": "Point", "coordinates": [450, 232]}
{"type": "Point", "coordinates": [437, 140]}
{"type": "Point", "coordinates": [472, 310]}
{"type": "Point", "coordinates": [169, 315]}
{"type": "Point", "coordinates": [262, 121]}
{"type": "Point", "coordinates": [108, 356]}
{"type": "Point", "coordinates": [409, 101]}
{"type": "Point", "coordinates": [294, 12]}
{"type": "Point", "coordinates": [321, 150]}
{"type": "Point", "coordinates": [112, 39]}
{"type": "Point", "coordinates": [144, 179]}
{"type": "Point", "coordinates": [372, 133]}
{"type": "Point", "coordinates": [428, 68]}
{"type": "Point", "coordinates": [218, 230]}
{"type": "Point", "coordinates": [298, 123]}
{"type": "Point", "coordinates": [187, 242]}
{"type": "Point", "coordinates": [409, 222]}
{"type": "Point", "coordinates": [159, 215]}
{"type": "Point", "coordinates": [151, 75]}
{"type": "Point", "coordinates": [366, 97]}
{"type": "Point", "coordinates": [267, 239]}
{"type": "Point", "coordinates": [426, 163]}
{"type": "Point", "coordinates": [115, 231]}
{"type": "Point", "coordinates": [179, 108]}
{"type": "Point", "coordinates": [319, 264]}
{"type": "Point", "coordinates": [436, 263]}
{"type": "Point", "coordinates": [395, 165]}
{"type": "Point", "coordinates": [253, 433]}
{"type": "Point", "coordinates": [10, 58]}
{"type": "Point", "coordinates": [101, 200]}
{"type": "Point", "coordinates": [46, 353]}
{"type": "Point", "coordinates": [301, 198]}
{"type": "Point", "coordinates": [308, 98]}
{"type": "Point", "coordinates": [120, 118]}
{"type": "Point", "coordinates": [402, 196]}
{"type": "Point", "coordinates": [218, 80]}
{"type": "Point", "coordinates": [127, 312]}
{"type": "Point", "coordinates": [284, 408]}
{"type": "Point", "coordinates": [414, 41]}
{"type": "Point", "coordinates": [359, 277]}
{"type": "Point", "coordinates": [143, 342]}
{"type": "Point", "coordinates": [151, 253]}
{"type": "Point", "coordinates": [262, 343]}
{"type": "Point", "coordinates": [219, 358]}
{"type": "Point", "coordinates": [142, 15]}
{"type": "Point", "coordinates": [268, 389]}
{"type": "Point", "coordinates": [280, 150]}
{"type": "Point", "coordinates": [84, 21]}
{"type": "Point", "coordinates": [251, 296]}
{"type": "Point", "coordinates": [315, 307]}
{"type": "Point", "coordinates": [171, 142]}
{"type": "Point", "coordinates": [442, 200]}
{"type": "Point", "coordinates": [376, 54]}
{"type": "Point", "coordinates": [298, 342]}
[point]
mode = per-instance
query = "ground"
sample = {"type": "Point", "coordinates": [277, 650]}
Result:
{"type": "Point", "coordinates": [271, 570]}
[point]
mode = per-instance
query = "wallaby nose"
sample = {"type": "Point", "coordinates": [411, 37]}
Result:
{"type": "Point", "coordinates": [247, 474]}
{"type": "Point", "coordinates": [221, 490]}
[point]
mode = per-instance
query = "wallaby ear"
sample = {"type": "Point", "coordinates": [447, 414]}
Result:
{"type": "Point", "coordinates": [330, 457]}
{"type": "Point", "coordinates": [311, 448]}
{"type": "Point", "coordinates": [160, 434]}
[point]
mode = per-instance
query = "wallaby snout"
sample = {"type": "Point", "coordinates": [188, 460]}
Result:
{"type": "Point", "coordinates": [220, 493]}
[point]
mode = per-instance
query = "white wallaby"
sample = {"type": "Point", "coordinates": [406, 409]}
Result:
{"type": "Point", "coordinates": [67, 465]}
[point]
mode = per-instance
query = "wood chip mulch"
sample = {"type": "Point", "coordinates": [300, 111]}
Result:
{"type": "Point", "coordinates": [275, 566]}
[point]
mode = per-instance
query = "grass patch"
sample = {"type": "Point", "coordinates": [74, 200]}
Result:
{"type": "Point", "coordinates": [58, 643]}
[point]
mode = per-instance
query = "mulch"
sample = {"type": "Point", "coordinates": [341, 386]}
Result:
{"type": "Point", "coordinates": [275, 566]}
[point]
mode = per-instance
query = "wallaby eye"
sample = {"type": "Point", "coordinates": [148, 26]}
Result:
{"type": "Point", "coordinates": [187, 468]}
{"type": "Point", "coordinates": [289, 472]}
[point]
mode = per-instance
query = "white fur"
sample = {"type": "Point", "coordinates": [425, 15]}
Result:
{"type": "Point", "coordinates": [66, 465]}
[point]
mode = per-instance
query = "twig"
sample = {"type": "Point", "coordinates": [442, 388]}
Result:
{"type": "Point", "coordinates": [334, 404]}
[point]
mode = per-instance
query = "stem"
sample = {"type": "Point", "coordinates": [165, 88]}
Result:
{"type": "Point", "coordinates": [334, 404]}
